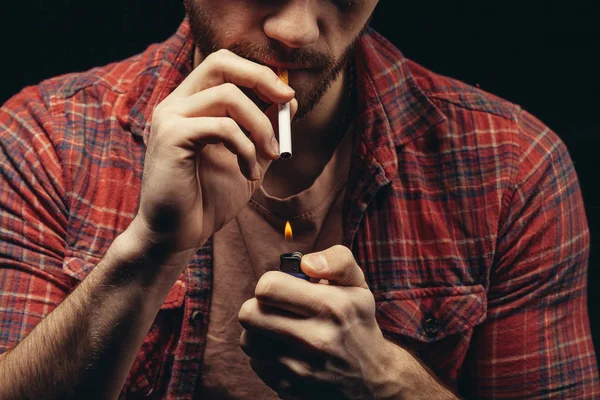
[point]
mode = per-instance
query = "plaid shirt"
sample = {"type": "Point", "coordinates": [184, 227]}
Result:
{"type": "Point", "coordinates": [463, 210]}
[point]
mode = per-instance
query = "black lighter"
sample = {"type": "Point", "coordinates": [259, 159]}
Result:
{"type": "Point", "coordinates": [290, 264]}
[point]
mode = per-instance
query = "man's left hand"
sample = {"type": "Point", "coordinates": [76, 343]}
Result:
{"type": "Point", "coordinates": [313, 340]}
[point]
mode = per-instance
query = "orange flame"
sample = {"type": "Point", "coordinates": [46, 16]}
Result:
{"type": "Point", "coordinates": [288, 231]}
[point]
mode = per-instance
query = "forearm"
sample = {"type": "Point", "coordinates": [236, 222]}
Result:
{"type": "Point", "coordinates": [408, 378]}
{"type": "Point", "coordinates": [85, 347]}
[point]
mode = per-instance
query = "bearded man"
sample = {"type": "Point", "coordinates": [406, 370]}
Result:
{"type": "Point", "coordinates": [143, 205]}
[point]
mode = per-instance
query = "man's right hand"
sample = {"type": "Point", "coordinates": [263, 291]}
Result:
{"type": "Point", "coordinates": [192, 185]}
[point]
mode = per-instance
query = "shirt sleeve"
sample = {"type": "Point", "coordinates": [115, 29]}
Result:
{"type": "Point", "coordinates": [32, 218]}
{"type": "Point", "coordinates": [535, 342]}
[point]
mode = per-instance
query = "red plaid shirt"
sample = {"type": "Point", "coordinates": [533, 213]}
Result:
{"type": "Point", "coordinates": [464, 211]}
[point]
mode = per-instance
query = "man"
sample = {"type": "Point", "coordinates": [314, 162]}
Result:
{"type": "Point", "coordinates": [143, 206]}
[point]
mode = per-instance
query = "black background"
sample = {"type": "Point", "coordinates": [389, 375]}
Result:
{"type": "Point", "coordinates": [543, 55]}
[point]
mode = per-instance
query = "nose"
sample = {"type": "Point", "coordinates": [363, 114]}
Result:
{"type": "Point", "coordinates": [295, 24]}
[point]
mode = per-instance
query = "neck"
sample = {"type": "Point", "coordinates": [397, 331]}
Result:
{"type": "Point", "coordinates": [318, 130]}
{"type": "Point", "coordinates": [314, 139]}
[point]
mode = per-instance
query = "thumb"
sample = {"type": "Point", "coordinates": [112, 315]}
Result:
{"type": "Point", "coordinates": [335, 264]}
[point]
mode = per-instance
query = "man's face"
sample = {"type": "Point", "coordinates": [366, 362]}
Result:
{"type": "Point", "coordinates": [313, 39]}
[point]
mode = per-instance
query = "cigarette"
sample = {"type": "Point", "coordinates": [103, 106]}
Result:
{"type": "Point", "coordinates": [285, 122]}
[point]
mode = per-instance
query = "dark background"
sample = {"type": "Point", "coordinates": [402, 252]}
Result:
{"type": "Point", "coordinates": [544, 55]}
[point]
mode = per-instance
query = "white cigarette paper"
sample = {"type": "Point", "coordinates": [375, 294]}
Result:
{"type": "Point", "coordinates": [285, 131]}
{"type": "Point", "coordinates": [285, 122]}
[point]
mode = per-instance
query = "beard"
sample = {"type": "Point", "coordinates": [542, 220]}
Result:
{"type": "Point", "coordinates": [325, 67]}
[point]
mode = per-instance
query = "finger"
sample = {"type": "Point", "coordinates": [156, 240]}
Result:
{"type": "Point", "coordinates": [266, 348]}
{"type": "Point", "coordinates": [335, 264]}
{"type": "Point", "coordinates": [261, 347]}
{"type": "Point", "coordinates": [279, 290]}
{"type": "Point", "coordinates": [285, 327]}
{"type": "Point", "coordinates": [224, 66]}
{"type": "Point", "coordinates": [228, 100]}
{"type": "Point", "coordinates": [291, 380]}
{"type": "Point", "coordinates": [272, 375]}
{"type": "Point", "coordinates": [194, 133]}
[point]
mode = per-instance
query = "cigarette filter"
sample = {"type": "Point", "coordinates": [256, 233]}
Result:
{"type": "Point", "coordinates": [285, 122]}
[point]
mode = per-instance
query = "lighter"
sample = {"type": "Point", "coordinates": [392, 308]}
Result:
{"type": "Point", "coordinates": [290, 264]}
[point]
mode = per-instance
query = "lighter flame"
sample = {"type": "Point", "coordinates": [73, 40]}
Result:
{"type": "Point", "coordinates": [288, 231]}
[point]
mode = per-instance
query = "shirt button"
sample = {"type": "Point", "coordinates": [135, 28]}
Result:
{"type": "Point", "coordinates": [196, 317]}
{"type": "Point", "coordinates": [431, 326]}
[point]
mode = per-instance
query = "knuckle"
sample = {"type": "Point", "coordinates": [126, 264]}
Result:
{"type": "Point", "coordinates": [159, 110]}
{"type": "Point", "coordinates": [227, 126]}
{"type": "Point", "coordinates": [267, 72]}
{"type": "Point", "coordinates": [301, 371]}
{"type": "Point", "coordinates": [248, 149]}
{"type": "Point", "coordinates": [246, 349]}
{"type": "Point", "coordinates": [340, 309]}
{"type": "Point", "coordinates": [265, 285]}
{"type": "Point", "coordinates": [164, 127]}
{"type": "Point", "coordinates": [363, 303]}
{"type": "Point", "coordinates": [218, 57]}
{"type": "Point", "coordinates": [244, 342]}
{"type": "Point", "coordinates": [229, 90]}
{"type": "Point", "coordinates": [246, 311]}
{"type": "Point", "coordinates": [344, 253]}
{"type": "Point", "coordinates": [361, 274]}
{"type": "Point", "coordinates": [369, 307]}
{"type": "Point", "coordinates": [357, 271]}
{"type": "Point", "coordinates": [323, 343]}
{"type": "Point", "coordinates": [159, 115]}
{"type": "Point", "coordinates": [222, 53]}
{"type": "Point", "coordinates": [344, 259]}
{"type": "Point", "coordinates": [169, 105]}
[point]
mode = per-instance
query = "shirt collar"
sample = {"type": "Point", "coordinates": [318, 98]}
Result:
{"type": "Point", "coordinates": [393, 110]}
{"type": "Point", "coordinates": [168, 64]}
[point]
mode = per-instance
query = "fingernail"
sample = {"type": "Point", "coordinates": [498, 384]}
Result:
{"type": "Point", "coordinates": [274, 145]}
{"type": "Point", "coordinates": [284, 87]}
{"type": "Point", "coordinates": [317, 263]}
